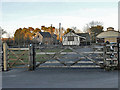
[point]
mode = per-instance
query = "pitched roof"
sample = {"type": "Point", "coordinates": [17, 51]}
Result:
{"type": "Point", "coordinates": [70, 34]}
{"type": "Point", "coordinates": [45, 34]}
{"type": "Point", "coordinates": [109, 34]}
{"type": "Point", "coordinates": [73, 34]}
{"type": "Point", "coordinates": [86, 35]}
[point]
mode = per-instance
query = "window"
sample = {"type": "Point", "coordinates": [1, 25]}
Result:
{"type": "Point", "coordinates": [70, 38]}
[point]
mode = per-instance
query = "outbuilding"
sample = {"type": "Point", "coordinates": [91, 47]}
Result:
{"type": "Point", "coordinates": [72, 39]}
{"type": "Point", "coordinates": [46, 38]}
{"type": "Point", "coordinates": [110, 35]}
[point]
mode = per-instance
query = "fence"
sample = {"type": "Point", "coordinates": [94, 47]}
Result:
{"type": "Point", "coordinates": [106, 56]}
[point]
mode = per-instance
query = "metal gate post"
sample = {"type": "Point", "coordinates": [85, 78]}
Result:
{"type": "Point", "coordinates": [32, 63]}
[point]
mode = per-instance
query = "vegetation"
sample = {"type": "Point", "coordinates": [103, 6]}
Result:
{"type": "Point", "coordinates": [2, 31]}
{"type": "Point", "coordinates": [69, 30]}
{"type": "Point", "coordinates": [25, 36]}
{"type": "Point", "coordinates": [94, 28]}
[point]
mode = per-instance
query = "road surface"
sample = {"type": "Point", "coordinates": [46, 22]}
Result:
{"type": "Point", "coordinates": [60, 78]}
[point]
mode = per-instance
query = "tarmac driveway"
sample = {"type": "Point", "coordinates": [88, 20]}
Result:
{"type": "Point", "coordinates": [60, 78]}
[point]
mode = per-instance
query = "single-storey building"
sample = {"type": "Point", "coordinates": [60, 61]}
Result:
{"type": "Point", "coordinates": [110, 35]}
{"type": "Point", "coordinates": [45, 38]}
{"type": "Point", "coordinates": [72, 39]}
{"type": "Point", "coordinates": [87, 40]}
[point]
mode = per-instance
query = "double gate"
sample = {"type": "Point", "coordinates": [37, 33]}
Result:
{"type": "Point", "coordinates": [105, 56]}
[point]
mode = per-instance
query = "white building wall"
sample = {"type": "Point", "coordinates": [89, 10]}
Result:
{"type": "Point", "coordinates": [75, 42]}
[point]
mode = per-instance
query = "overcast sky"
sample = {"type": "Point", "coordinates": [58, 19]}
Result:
{"type": "Point", "coordinates": [78, 14]}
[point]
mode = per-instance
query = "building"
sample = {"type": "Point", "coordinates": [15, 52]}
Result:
{"type": "Point", "coordinates": [87, 40]}
{"type": "Point", "coordinates": [110, 35]}
{"type": "Point", "coordinates": [45, 38]}
{"type": "Point", "coordinates": [72, 39]}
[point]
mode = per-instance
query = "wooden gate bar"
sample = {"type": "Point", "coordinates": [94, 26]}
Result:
{"type": "Point", "coordinates": [53, 57]}
{"type": "Point", "coordinates": [18, 48]}
{"type": "Point", "coordinates": [72, 61]}
{"type": "Point", "coordinates": [86, 57]}
{"type": "Point", "coordinates": [18, 58]}
{"type": "Point", "coordinates": [60, 61]}
{"type": "Point", "coordinates": [70, 53]}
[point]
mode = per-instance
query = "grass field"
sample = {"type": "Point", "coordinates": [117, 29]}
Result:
{"type": "Point", "coordinates": [22, 57]}
{"type": "Point", "coordinates": [18, 57]}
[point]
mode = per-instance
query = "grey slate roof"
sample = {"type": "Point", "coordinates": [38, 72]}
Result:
{"type": "Point", "coordinates": [86, 35]}
{"type": "Point", "coordinates": [45, 34]}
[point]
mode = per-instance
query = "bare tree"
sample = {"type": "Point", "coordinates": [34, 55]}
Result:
{"type": "Point", "coordinates": [86, 29]}
{"type": "Point", "coordinates": [74, 28]}
{"type": "Point", "coordinates": [2, 32]}
{"type": "Point", "coordinates": [92, 24]}
{"type": "Point", "coordinates": [93, 28]}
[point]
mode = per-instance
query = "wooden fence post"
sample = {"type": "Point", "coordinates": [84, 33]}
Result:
{"type": "Point", "coordinates": [32, 63]}
{"type": "Point", "coordinates": [1, 56]}
{"type": "Point", "coordinates": [5, 63]}
{"type": "Point", "coordinates": [104, 55]}
{"type": "Point", "coordinates": [118, 56]}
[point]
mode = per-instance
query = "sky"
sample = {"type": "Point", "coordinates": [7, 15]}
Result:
{"type": "Point", "coordinates": [16, 14]}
